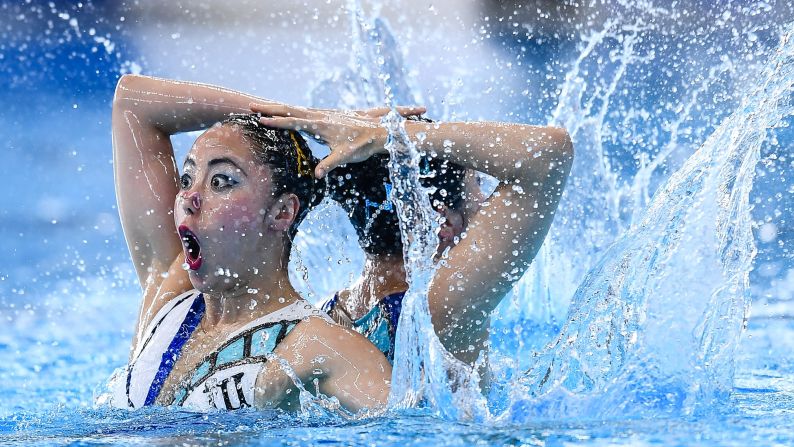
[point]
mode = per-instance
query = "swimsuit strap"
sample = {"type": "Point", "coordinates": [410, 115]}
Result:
{"type": "Point", "coordinates": [171, 355]}
{"type": "Point", "coordinates": [337, 314]}
{"type": "Point", "coordinates": [391, 306]}
{"type": "Point", "coordinates": [329, 305]}
{"type": "Point", "coordinates": [379, 325]}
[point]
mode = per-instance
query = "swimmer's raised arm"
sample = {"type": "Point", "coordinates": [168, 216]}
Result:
{"type": "Point", "coordinates": [531, 164]}
{"type": "Point", "coordinates": [329, 359]}
{"type": "Point", "coordinates": [146, 112]}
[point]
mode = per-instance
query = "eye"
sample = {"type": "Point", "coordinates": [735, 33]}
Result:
{"type": "Point", "coordinates": [221, 181]}
{"type": "Point", "coordinates": [185, 181]}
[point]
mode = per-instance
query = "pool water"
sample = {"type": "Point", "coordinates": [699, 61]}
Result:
{"type": "Point", "coordinates": [673, 241]}
{"type": "Point", "coordinates": [54, 407]}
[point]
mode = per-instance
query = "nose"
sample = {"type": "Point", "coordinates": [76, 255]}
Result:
{"type": "Point", "coordinates": [191, 202]}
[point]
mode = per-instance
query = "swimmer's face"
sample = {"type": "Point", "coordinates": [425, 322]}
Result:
{"type": "Point", "coordinates": [451, 228]}
{"type": "Point", "coordinates": [222, 210]}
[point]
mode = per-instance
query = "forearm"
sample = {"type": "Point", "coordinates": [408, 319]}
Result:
{"type": "Point", "coordinates": [178, 106]}
{"type": "Point", "coordinates": [506, 151]}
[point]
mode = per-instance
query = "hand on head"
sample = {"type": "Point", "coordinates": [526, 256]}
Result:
{"type": "Point", "coordinates": [352, 136]}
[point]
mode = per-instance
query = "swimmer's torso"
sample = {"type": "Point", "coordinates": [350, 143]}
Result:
{"type": "Point", "coordinates": [176, 363]}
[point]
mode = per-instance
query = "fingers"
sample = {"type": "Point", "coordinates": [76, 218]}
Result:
{"type": "Point", "coordinates": [289, 123]}
{"type": "Point", "coordinates": [334, 159]}
{"type": "Point", "coordinates": [404, 111]}
{"type": "Point", "coordinates": [282, 110]}
{"type": "Point", "coordinates": [376, 112]}
{"type": "Point", "coordinates": [411, 110]}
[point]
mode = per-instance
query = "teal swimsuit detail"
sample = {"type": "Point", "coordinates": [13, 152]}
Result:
{"type": "Point", "coordinates": [379, 325]}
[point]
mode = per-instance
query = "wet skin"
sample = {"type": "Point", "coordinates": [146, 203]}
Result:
{"type": "Point", "coordinates": [234, 194]}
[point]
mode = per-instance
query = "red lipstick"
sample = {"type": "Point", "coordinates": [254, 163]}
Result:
{"type": "Point", "coordinates": [192, 248]}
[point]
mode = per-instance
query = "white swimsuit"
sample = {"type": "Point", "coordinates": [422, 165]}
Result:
{"type": "Point", "coordinates": [225, 378]}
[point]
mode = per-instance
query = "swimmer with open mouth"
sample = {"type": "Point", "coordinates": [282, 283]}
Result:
{"type": "Point", "coordinates": [220, 324]}
{"type": "Point", "coordinates": [230, 331]}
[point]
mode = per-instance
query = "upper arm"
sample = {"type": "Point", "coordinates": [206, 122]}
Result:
{"type": "Point", "coordinates": [146, 183]}
{"type": "Point", "coordinates": [344, 363]}
{"type": "Point", "coordinates": [499, 243]}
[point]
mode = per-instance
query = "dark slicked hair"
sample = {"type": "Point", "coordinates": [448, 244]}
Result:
{"type": "Point", "coordinates": [291, 162]}
{"type": "Point", "coordinates": [364, 192]}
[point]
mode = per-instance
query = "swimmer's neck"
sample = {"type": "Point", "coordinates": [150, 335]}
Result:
{"type": "Point", "coordinates": [382, 275]}
{"type": "Point", "coordinates": [262, 295]}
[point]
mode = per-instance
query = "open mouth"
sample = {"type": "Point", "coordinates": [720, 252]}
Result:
{"type": "Point", "coordinates": [192, 247]}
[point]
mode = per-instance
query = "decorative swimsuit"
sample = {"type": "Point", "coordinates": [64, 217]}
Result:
{"type": "Point", "coordinates": [225, 378]}
{"type": "Point", "coordinates": [379, 325]}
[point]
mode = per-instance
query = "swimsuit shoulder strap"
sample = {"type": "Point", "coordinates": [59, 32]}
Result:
{"type": "Point", "coordinates": [174, 309]}
{"type": "Point", "coordinates": [392, 306]}
{"type": "Point", "coordinates": [165, 341]}
{"type": "Point", "coordinates": [379, 325]}
{"type": "Point", "coordinates": [336, 313]}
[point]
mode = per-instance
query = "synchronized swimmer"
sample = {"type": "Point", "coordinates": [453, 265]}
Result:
{"type": "Point", "coordinates": [221, 326]}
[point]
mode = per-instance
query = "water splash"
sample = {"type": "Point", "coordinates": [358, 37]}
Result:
{"type": "Point", "coordinates": [425, 373]}
{"type": "Point", "coordinates": [644, 89]}
{"type": "Point", "coordinates": [613, 348]}
{"type": "Point", "coordinates": [653, 315]}
{"type": "Point", "coordinates": [375, 73]}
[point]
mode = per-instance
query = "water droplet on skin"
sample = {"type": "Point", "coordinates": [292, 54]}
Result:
{"type": "Point", "coordinates": [252, 290]}
{"type": "Point", "coordinates": [281, 300]}
{"type": "Point", "coordinates": [252, 304]}
{"type": "Point", "coordinates": [185, 266]}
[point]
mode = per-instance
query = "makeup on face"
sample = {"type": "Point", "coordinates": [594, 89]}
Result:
{"type": "Point", "coordinates": [219, 211]}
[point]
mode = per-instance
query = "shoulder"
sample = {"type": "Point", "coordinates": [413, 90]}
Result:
{"type": "Point", "coordinates": [316, 326]}
{"type": "Point", "coordinates": [319, 340]}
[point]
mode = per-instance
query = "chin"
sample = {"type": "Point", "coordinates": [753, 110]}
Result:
{"type": "Point", "coordinates": [199, 281]}
{"type": "Point", "coordinates": [210, 282]}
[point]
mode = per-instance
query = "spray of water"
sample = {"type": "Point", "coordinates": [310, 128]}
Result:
{"type": "Point", "coordinates": [654, 324]}
{"type": "Point", "coordinates": [653, 318]}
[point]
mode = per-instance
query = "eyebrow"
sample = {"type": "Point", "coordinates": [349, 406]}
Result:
{"type": "Point", "coordinates": [216, 161]}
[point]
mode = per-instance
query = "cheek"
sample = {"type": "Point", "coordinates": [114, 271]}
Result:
{"type": "Point", "coordinates": [237, 214]}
